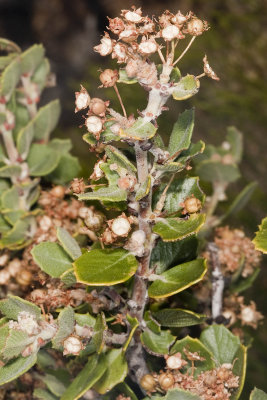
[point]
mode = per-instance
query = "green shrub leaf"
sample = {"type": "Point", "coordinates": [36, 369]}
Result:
{"type": "Point", "coordinates": [260, 240]}
{"type": "Point", "coordinates": [177, 317]}
{"type": "Point", "coordinates": [31, 58]}
{"type": "Point", "coordinates": [68, 243]}
{"type": "Point", "coordinates": [42, 160]}
{"type": "Point", "coordinates": [13, 305]}
{"type": "Point", "coordinates": [171, 229]}
{"type": "Point", "coordinates": [186, 88]}
{"type": "Point", "coordinates": [140, 130]}
{"type": "Point", "coordinates": [111, 193]}
{"type": "Point", "coordinates": [51, 258]}
{"type": "Point", "coordinates": [180, 138]}
{"type": "Point", "coordinates": [46, 120]}
{"type": "Point", "coordinates": [178, 278]}
{"type": "Point", "coordinates": [15, 368]}
{"type": "Point", "coordinates": [157, 343]}
{"type": "Point", "coordinates": [258, 394]}
{"type": "Point", "coordinates": [66, 322]}
{"type": "Point", "coordinates": [105, 267]}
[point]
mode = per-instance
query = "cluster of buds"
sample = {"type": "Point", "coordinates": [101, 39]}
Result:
{"type": "Point", "coordinates": [39, 332]}
{"type": "Point", "coordinates": [217, 383]}
{"type": "Point", "coordinates": [138, 34]}
{"type": "Point", "coordinates": [118, 228]}
{"type": "Point", "coordinates": [191, 205]}
{"type": "Point", "coordinates": [233, 247]}
{"type": "Point", "coordinates": [136, 243]}
{"type": "Point", "coordinates": [235, 310]}
{"type": "Point", "coordinates": [14, 269]}
{"type": "Point", "coordinates": [96, 115]}
{"type": "Point", "coordinates": [93, 219]}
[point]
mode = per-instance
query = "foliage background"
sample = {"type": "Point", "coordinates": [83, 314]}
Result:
{"type": "Point", "coordinates": [236, 46]}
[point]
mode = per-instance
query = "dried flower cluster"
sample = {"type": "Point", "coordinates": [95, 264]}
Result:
{"type": "Point", "coordinates": [217, 383]}
{"type": "Point", "coordinates": [235, 310]}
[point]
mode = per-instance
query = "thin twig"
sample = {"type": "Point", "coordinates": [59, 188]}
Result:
{"type": "Point", "coordinates": [200, 76]}
{"type": "Point", "coordinates": [185, 50]}
{"type": "Point", "coordinates": [160, 203]}
{"type": "Point", "coordinates": [161, 56]}
{"type": "Point", "coordinates": [120, 100]}
{"type": "Point", "coordinates": [217, 281]}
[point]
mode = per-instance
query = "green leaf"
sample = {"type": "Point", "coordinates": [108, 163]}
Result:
{"type": "Point", "coordinates": [171, 229]}
{"type": "Point", "coordinates": [140, 130]}
{"type": "Point", "coordinates": [157, 343]}
{"type": "Point", "coordinates": [241, 200]}
{"type": "Point", "coordinates": [170, 167]}
{"type": "Point", "coordinates": [43, 394]}
{"type": "Point", "coordinates": [121, 388]}
{"type": "Point", "coordinates": [68, 278]}
{"type": "Point", "coordinates": [143, 189]}
{"type": "Point", "coordinates": [107, 135]}
{"type": "Point", "coordinates": [193, 150]}
{"type": "Point", "coordinates": [123, 78]}
{"type": "Point", "coordinates": [179, 191]}
{"type": "Point", "coordinates": [42, 160]}
{"type": "Point", "coordinates": [66, 322]}
{"type": "Point", "coordinates": [177, 317]}
{"type": "Point", "coordinates": [68, 243]}
{"type": "Point", "coordinates": [100, 328]}
{"type": "Point", "coordinates": [179, 394]}
{"type": "Point", "coordinates": [117, 157]}
{"type": "Point", "coordinates": [15, 344]}
{"type": "Point", "coordinates": [85, 319]}
{"type": "Point", "coordinates": [15, 368]}
{"type": "Point", "coordinates": [10, 198]}
{"type": "Point", "coordinates": [235, 139]}
{"type": "Point", "coordinates": [24, 139]}
{"type": "Point", "coordinates": [46, 120]}
{"type": "Point", "coordinates": [226, 348]}
{"type": "Point", "coordinates": [41, 73]}
{"type": "Point", "coordinates": [194, 345]}
{"type": "Point", "coordinates": [258, 394]}
{"type": "Point", "coordinates": [245, 284]}
{"type": "Point", "coordinates": [63, 146]}
{"type": "Point", "coordinates": [13, 305]}
{"type": "Point", "coordinates": [88, 376]}
{"type": "Point", "coordinates": [10, 171]}
{"type": "Point", "coordinates": [110, 175]}
{"type": "Point", "coordinates": [186, 88]}
{"type": "Point", "coordinates": [10, 78]}
{"type": "Point", "coordinates": [166, 254]}
{"type": "Point", "coordinates": [105, 267]}
{"type": "Point", "coordinates": [67, 168]}
{"type": "Point", "coordinates": [51, 258]}
{"type": "Point", "coordinates": [115, 373]}
{"type": "Point", "coordinates": [111, 193]}
{"type": "Point", "coordinates": [212, 171]}
{"type": "Point", "coordinates": [18, 235]}
{"type": "Point", "coordinates": [56, 381]}
{"type": "Point", "coordinates": [178, 278]}
{"type": "Point", "coordinates": [180, 138]}
{"type": "Point", "coordinates": [31, 58]}
{"type": "Point", "coordinates": [260, 240]}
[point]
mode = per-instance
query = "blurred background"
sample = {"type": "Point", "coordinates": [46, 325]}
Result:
{"type": "Point", "coordinates": [236, 46]}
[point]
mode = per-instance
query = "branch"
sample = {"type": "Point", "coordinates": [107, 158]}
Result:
{"type": "Point", "coordinates": [217, 281]}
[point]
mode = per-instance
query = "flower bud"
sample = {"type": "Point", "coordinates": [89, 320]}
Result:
{"type": "Point", "coordinates": [109, 77]}
{"type": "Point", "coordinates": [98, 106]}
{"type": "Point", "coordinates": [132, 68]}
{"type": "Point", "coordinates": [82, 99]}
{"type": "Point", "coordinates": [116, 25]}
{"type": "Point", "coordinates": [58, 191]}
{"type": "Point", "coordinates": [121, 226]}
{"type": "Point", "coordinates": [94, 220]}
{"type": "Point", "coordinates": [179, 19]}
{"type": "Point", "coordinates": [195, 27]}
{"type": "Point", "coordinates": [94, 125]}
{"type": "Point", "coordinates": [147, 47]}
{"type": "Point", "coordinates": [170, 32]}
{"type": "Point", "coordinates": [77, 185]}
{"type": "Point", "coordinates": [14, 266]}
{"type": "Point", "coordinates": [134, 16]}
{"type": "Point", "coordinates": [129, 35]}
{"type": "Point", "coordinates": [106, 45]}
{"type": "Point", "coordinates": [175, 361]}
{"type": "Point", "coordinates": [72, 345]}
{"type": "Point", "coordinates": [148, 383]}
{"type": "Point", "coordinates": [24, 278]}
{"type": "Point", "coordinates": [120, 52]}
{"type": "Point", "coordinates": [192, 205]}
{"type": "Point", "coordinates": [166, 381]}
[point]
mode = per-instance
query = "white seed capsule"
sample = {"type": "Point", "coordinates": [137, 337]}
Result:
{"type": "Point", "coordinates": [147, 47]}
{"type": "Point", "coordinates": [120, 226]}
{"type": "Point", "coordinates": [132, 16]}
{"type": "Point", "coordinates": [4, 259]}
{"type": "Point", "coordinates": [247, 314]}
{"type": "Point", "coordinates": [94, 124]}
{"type": "Point", "coordinates": [72, 345]}
{"type": "Point", "coordinates": [175, 361]}
{"type": "Point", "coordinates": [14, 266]}
{"type": "Point", "coordinates": [105, 47]}
{"type": "Point", "coordinates": [4, 277]}
{"type": "Point", "coordinates": [45, 223]}
{"type": "Point", "coordinates": [170, 32]}
{"type": "Point", "coordinates": [82, 99]}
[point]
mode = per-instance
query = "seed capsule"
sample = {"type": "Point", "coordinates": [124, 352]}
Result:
{"type": "Point", "coordinates": [120, 226]}
{"type": "Point", "coordinates": [170, 32]}
{"type": "Point", "coordinates": [166, 381]}
{"type": "Point", "coordinates": [94, 125]}
{"type": "Point", "coordinates": [109, 77]}
{"type": "Point", "coordinates": [72, 345]}
{"type": "Point", "coordinates": [148, 382]}
{"type": "Point", "coordinates": [97, 106]}
{"type": "Point", "coordinates": [24, 278]}
{"type": "Point", "coordinates": [195, 27]}
{"type": "Point", "coordinates": [58, 191]}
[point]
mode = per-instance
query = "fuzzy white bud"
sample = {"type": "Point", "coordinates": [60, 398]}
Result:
{"type": "Point", "coordinates": [170, 32]}
{"type": "Point", "coordinates": [175, 361]}
{"type": "Point", "coordinates": [82, 99]}
{"type": "Point", "coordinates": [26, 323]}
{"type": "Point", "coordinates": [133, 16]}
{"type": "Point", "coordinates": [94, 124]}
{"type": "Point", "coordinates": [148, 47]}
{"type": "Point", "coordinates": [105, 47]}
{"type": "Point", "coordinates": [72, 345]}
{"type": "Point", "coordinates": [120, 226]}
